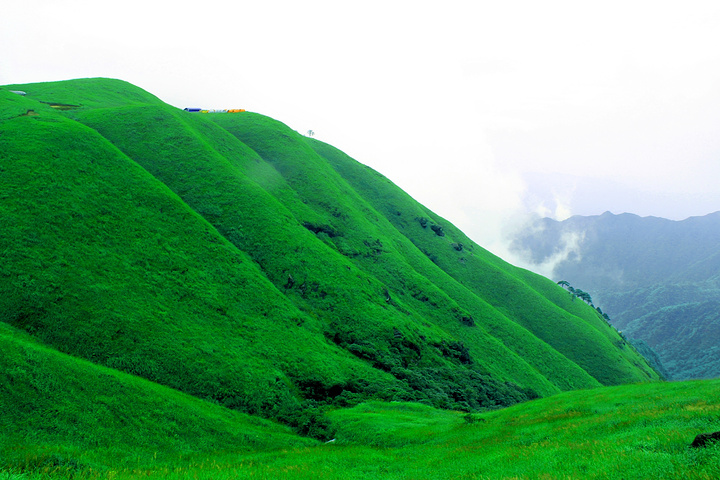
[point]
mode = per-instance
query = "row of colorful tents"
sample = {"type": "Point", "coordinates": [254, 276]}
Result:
{"type": "Point", "coordinates": [200, 110]}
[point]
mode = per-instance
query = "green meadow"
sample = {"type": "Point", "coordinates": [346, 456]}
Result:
{"type": "Point", "coordinates": [633, 431]}
{"type": "Point", "coordinates": [188, 295]}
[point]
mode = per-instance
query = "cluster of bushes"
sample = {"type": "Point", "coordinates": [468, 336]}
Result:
{"type": "Point", "coordinates": [442, 374]}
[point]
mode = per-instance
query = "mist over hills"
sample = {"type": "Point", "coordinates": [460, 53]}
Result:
{"type": "Point", "coordinates": [225, 263]}
{"type": "Point", "coordinates": [658, 279]}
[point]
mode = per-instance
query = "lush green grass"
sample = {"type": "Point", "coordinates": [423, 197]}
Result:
{"type": "Point", "coordinates": [637, 431]}
{"type": "Point", "coordinates": [229, 264]}
{"type": "Point", "coordinates": [85, 93]}
{"type": "Point", "coordinates": [233, 259]}
{"type": "Point", "coordinates": [372, 203]}
{"type": "Point", "coordinates": [538, 304]}
{"type": "Point", "coordinates": [631, 432]}
{"type": "Point", "coordinates": [61, 411]}
{"type": "Point", "coordinates": [104, 262]}
{"type": "Point", "coordinates": [231, 191]}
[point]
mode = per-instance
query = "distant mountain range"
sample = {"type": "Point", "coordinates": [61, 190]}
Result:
{"type": "Point", "coordinates": [658, 279]}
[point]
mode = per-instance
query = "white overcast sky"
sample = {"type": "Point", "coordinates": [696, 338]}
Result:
{"type": "Point", "coordinates": [484, 111]}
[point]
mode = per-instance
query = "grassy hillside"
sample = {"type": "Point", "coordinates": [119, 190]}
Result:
{"type": "Point", "coordinates": [225, 262]}
{"type": "Point", "coordinates": [537, 305]}
{"type": "Point", "coordinates": [101, 424]}
{"type": "Point", "coordinates": [145, 238]}
{"type": "Point", "coordinates": [656, 278]}
{"type": "Point", "coordinates": [62, 412]}
{"type": "Point", "coordinates": [104, 262]}
{"type": "Point", "coordinates": [63, 417]}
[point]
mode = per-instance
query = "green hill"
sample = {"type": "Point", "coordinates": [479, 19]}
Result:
{"type": "Point", "coordinates": [90, 422]}
{"type": "Point", "coordinates": [657, 278]}
{"type": "Point", "coordinates": [227, 260]}
{"type": "Point", "coordinates": [60, 411]}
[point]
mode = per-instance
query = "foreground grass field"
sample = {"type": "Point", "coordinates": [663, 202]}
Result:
{"type": "Point", "coordinates": [631, 432]}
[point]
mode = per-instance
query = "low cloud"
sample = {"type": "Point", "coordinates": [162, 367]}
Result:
{"type": "Point", "coordinates": [569, 245]}
{"type": "Point", "coordinates": [544, 260]}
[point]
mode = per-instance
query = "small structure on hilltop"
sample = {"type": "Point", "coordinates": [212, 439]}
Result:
{"type": "Point", "coordinates": [202, 110]}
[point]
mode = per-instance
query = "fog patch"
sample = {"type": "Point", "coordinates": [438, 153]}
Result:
{"type": "Point", "coordinates": [546, 257]}
{"type": "Point", "coordinates": [569, 246]}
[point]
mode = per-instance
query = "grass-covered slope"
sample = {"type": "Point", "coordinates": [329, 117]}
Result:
{"type": "Point", "coordinates": [537, 304]}
{"type": "Point", "coordinates": [320, 282]}
{"type": "Point", "coordinates": [60, 411]}
{"type": "Point", "coordinates": [102, 424]}
{"type": "Point", "coordinates": [104, 262]}
{"type": "Point", "coordinates": [228, 257]}
{"type": "Point", "coordinates": [631, 432]}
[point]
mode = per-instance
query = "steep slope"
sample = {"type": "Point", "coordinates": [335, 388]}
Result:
{"type": "Point", "coordinates": [104, 262]}
{"type": "Point", "coordinates": [319, 281]}
{"type": "Point", "coordinates": [79, 409]}
{"type": "Point", "coordinates": [223, 256]}
{"type": "Point", "coordinates": [657, 278]}
{"type": "Point", "coordinates": [541, 308]}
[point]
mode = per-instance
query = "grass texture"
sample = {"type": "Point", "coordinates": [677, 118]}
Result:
{"type": "Point", "coordinates": [216, 291]}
